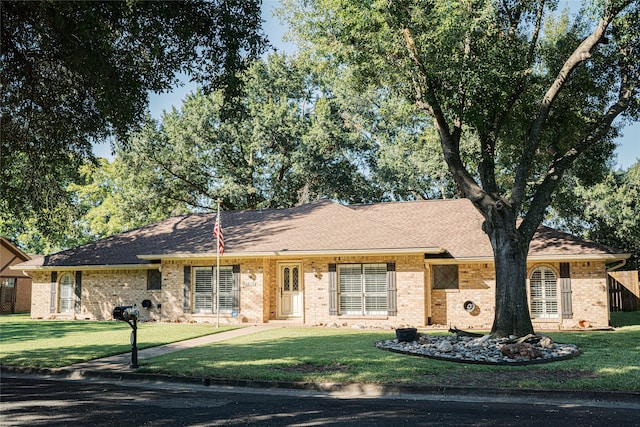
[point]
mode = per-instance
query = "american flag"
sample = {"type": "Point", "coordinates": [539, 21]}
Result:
{"type": "Point", "coordinates": [217, 233]}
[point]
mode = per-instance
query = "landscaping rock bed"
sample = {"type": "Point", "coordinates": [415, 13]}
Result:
{"type": "Point", "coordinates": [484, 350]}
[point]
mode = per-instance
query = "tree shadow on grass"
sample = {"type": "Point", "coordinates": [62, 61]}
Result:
{"type": "Point", "coordinates": [289, 358]}
{"type": "Point", "coordinates": [61, 356]}
{"type": "Point", "coordinates": [11, 332]}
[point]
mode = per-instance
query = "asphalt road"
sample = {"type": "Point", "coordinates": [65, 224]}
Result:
{"type": "Point", "coordinates": [53, 401]}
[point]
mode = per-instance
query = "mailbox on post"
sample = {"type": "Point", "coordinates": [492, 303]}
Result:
{"type": "Point", "coordinates": [129, 314]}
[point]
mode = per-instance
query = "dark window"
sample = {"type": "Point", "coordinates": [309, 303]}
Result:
{"type": "Point", "coordinates": [445, 277]}
{"type": "Point", "coordinates": [154, 280]}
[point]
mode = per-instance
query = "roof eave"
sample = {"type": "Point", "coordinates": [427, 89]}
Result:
{"type": "Point", "coordinates": [536, 258]}
{"type": "Point", "coordinates": [145, 266]}
{"type": "Point", "coordinates": [291, 253]}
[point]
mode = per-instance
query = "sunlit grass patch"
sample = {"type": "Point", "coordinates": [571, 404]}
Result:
{"type": "Point", "coordinates": [52, 344]}
{"type": "Point", "coordinates": [289, 354]}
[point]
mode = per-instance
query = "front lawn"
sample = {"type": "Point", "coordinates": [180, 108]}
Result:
{"type": "Point", "coordinates": [54, 343]}
{"type": "Point", "coordinates": [610, 360]}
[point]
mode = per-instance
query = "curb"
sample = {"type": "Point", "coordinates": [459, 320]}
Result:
{"type": "Point", "coordinates": [354, 388]}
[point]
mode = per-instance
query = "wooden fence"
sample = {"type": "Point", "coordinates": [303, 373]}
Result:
{"type": "Point", "coordinates": [624, 292]}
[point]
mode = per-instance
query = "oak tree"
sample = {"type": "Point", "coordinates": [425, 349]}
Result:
{"type": "Point", "coordinates": [537, 91]}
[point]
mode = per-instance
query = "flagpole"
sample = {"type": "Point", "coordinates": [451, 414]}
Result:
{"type": "Point", "coordinates": [218, 266]}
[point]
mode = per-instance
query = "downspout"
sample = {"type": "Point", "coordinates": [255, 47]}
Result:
{"type": "Point", "coordinates": [617, 266]}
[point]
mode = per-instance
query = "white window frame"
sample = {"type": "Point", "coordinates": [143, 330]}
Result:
{"type": "Point", "coordinates": [543, 291]}
{"type": "Point", "coordinates": [67, 299]}
{"type": "Point", "coordinates": [362, 289]}
{"type": "Point", "coordinates": [226, 288]}
{"type": "Point", "coordinates": [204, 290]}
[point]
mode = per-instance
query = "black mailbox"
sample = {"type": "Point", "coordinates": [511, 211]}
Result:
{"type": "Point", "coordinates": [125, 312]}
{"type": "Point", "coordinates": [129, 314]}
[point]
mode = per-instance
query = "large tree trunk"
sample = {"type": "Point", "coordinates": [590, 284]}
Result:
{"type": "Point", "coordinates": [510, 256]}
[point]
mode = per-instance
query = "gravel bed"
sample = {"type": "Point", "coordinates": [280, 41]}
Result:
{"type": "Point", "coordinates": [484, 350]}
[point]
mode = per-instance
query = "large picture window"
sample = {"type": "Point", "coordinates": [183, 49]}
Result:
{"type": "Point", "coordinates": [204, 290]}
{"type": "Point", "coordinates": [544, 293]}
{"type": "Point", "coordinates": [362, 289]}
{"type": "Point", "coordinates": [67, 293]}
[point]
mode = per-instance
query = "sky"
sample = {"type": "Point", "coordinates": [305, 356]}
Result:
{"type": "Point", "coordinates": [627, 152]}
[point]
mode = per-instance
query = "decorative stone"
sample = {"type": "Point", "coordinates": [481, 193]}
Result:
{"type": "Point", "coordinates": [444, 347]}
{"type": "Point", "coordinates": [484, 350]}
{"type": "Point", "coordinates": [546, 342]}
{"type": "Point", "coordinates": [522, 349]}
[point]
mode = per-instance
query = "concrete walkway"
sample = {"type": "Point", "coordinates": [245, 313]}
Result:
{"type": "Point", "coordinates": [122, 362]}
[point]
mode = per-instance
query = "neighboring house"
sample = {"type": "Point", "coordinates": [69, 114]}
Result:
{"type": "Point", "coordinates": [387, 264]}
{"type": "Point", "coordinates": [15, 287]}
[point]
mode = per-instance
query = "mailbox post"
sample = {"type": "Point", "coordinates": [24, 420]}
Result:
{"type": "Point", "coordinates": [129, 314]}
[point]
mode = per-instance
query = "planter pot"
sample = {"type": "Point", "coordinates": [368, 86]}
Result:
{"type": "Point", "coordinates": [584, 324]}
{"type": "Point", "coordinates": [406, 334]}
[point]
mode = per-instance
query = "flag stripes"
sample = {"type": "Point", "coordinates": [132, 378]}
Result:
{"type": "Point", "coordinates": [217, 232]}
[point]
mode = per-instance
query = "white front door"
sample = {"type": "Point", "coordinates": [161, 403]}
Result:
{"type": "Point", "coordinates": [290, 290]}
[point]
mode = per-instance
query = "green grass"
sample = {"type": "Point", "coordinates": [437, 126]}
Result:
{"type": "Point", "coordinates": [610, 360]}
{"type": "Point", "coordinates": [53, 344]}
{"type": "Point", "coordinates": [625, 319]}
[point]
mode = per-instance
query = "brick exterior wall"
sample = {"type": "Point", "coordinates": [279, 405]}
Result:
{"type": "Point", "coordinates": [476, 284]}
{"type": "Point", "coordinates": [417, 304]}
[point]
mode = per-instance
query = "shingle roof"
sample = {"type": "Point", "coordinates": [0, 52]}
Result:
{"type": "Point", "coordinates": [318, 227]}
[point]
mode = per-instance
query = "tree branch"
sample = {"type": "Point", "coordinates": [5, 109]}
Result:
{"type": "Point", "coordinates": [193, 185]}
{"type": "Point", "coordinates": [630, 81]}
{"type": "Point", "coordinates": [579, 55]}
{"type": "Point", "coordinates": [450, 141]}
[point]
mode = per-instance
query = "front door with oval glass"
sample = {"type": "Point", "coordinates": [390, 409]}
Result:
{"type": "Point", "coordinates": [290, 290]}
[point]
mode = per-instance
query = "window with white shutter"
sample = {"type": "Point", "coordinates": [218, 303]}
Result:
{"type": "Point", "coordinates": [204, 290]}
{"type": "Point", "coordinates": [544, 293]}
{"type": "Point", "coordinates": [362, 289]}
{"type": "Point", "coordinates": [226, 289]}
{"type": "Point", "coordinates": [67, 293]}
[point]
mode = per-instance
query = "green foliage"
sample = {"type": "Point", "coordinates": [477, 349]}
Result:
{"type": "Point", "coordinates": [481, 69]}
{"type": "Point", "coordinates": [73, 73]}
{"type": "Point", "coordinates": [607, 212]}
{"type": "Point", "coordinates": [113, 200]}
{"type": "Point", "coordinates": [286, 144]}
{"type": "Point", "coordinates": [537, 98]}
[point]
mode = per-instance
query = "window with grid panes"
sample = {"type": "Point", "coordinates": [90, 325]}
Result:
{"type": "Point", "coordinates": [544, 293]}
{"type": "Point", "coordinates": [226, 289]}
{"type": "Point", "coordinates": [362, 289]}
{"type": "Point", "coordinates": [67, 296]}
{"type": "Point", "coordinates": [204, 290]}
{"type": "Point", "coordinates": [445, 277]}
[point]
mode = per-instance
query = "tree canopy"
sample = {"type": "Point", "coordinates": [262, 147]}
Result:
{"type": "Point", "coordinates": [287, 144]}
{"type": "Point", "coordinates": [73, 73]}
{"type": "Point", "coordinates": [538, 93]}
{"type": "Point", "coordinates": [607, 212]}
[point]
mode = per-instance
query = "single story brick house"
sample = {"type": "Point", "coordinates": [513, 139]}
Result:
{"type": "Point", "coordinates": [387, 264]}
